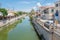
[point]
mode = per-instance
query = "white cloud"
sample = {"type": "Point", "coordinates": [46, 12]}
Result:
{"type": "Point", "coordinates": [25, 2]}
{"type": "Point", "coordinates": [50, 4]}
{"type": "Point", "coordinates": [34, 7]}
{"type": "Point", "coordinates": [39, 4]}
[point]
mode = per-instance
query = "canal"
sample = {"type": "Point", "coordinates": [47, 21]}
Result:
{"type": "Point", "coordinates": [22, 30]}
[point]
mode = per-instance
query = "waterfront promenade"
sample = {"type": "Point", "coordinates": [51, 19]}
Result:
{"type": "Point", "coordinates": [12, 20]}
{"type": "Point", "coordinates": [56, 30]}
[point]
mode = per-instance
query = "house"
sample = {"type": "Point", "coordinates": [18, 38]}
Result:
{"type": "Point", "coordinates": [10, 13]}
{"type": "Point", "coordinates": [39, 11]}
{"type": "Point", "coordinates": [57, 10]}
{"type": "Point", "coordinates": [47, 12]}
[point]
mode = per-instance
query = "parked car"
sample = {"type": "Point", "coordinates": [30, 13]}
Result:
{"type": "Point", "coordinates": [48, 23]}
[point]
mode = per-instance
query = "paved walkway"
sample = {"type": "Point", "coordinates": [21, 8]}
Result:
{"type": "Point", "coordinates": [57, 31]}
{"type": "Point", "coordinates": [5, 22]}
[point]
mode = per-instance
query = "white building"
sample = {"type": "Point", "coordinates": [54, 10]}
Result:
{"type": "Point", "coordinates": [57, 8]}
{"type": "Point", "coordinates": [47, 11]}
{"type": "Point", "coordinates": [10, 13]}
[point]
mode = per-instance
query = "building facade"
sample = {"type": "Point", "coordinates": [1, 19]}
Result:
{"type": "Point", "coordinates": [57, 10]}
{"type": "Point", "coordinates": [47, 12]}
{"type": "Point", "coordinates": [10, 13]}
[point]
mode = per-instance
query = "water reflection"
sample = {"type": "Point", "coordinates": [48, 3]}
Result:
{"type": "Point", "coordinates": [21, 30]}
{"type": "Point", "coordinates": [4, 32]}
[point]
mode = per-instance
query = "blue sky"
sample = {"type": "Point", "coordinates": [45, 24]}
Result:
{"type": "Point", "coordinates": [24, 5]}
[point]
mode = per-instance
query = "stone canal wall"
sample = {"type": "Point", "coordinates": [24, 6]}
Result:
{"type": "Point", "coordinates": [11, 21]}
{"type": "Point", "coordinates": [45, 33]}
{"type": "Point", "coordinates": [42, 32]}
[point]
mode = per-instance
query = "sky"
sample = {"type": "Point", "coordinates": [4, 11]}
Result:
{"type": "Point", "coordinates": [24, 5]}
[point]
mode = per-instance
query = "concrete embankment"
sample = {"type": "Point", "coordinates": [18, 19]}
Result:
{"type": "Point", "coordinates": [45, 33]}
{"type": "Point", "coordinates": [42, 31]}
{"type": "Point", "coordinates": [36, 27]}
{"type": "Point", "coordinates": [11, 21]}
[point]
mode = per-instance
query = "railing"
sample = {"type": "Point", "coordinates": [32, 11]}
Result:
{"type": "Point", "coordinates": [42, 24]}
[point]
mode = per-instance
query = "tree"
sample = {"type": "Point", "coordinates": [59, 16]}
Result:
{"type": "Point", "coordinates": [4, 11]}
{"type": "Point", "coordinates": [32, 12]}
{"type": "Point", "coordinates": [16, 14]}
{"type": "Point", "coordinates": [20, 12]}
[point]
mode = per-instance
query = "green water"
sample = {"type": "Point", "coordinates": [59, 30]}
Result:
{"type": "Point", "coordinates": [19, 31]}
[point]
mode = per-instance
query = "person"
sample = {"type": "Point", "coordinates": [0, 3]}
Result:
{"type": "Point", "coordinates": [56, 18]}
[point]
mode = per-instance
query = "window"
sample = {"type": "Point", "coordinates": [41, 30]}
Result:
{"type": "Point", "coordinates": [46, 11]}
{"type": "Point", "coordinates": [56, 5]}
{"type": "Point", "coordinates": [52, 10]}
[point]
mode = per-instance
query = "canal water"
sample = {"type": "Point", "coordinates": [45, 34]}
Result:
{"type": "Point", "coordinates": [21, 31]}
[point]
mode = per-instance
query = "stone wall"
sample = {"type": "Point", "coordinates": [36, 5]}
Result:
{"type": "Point", "coordinates": [47, 34]}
